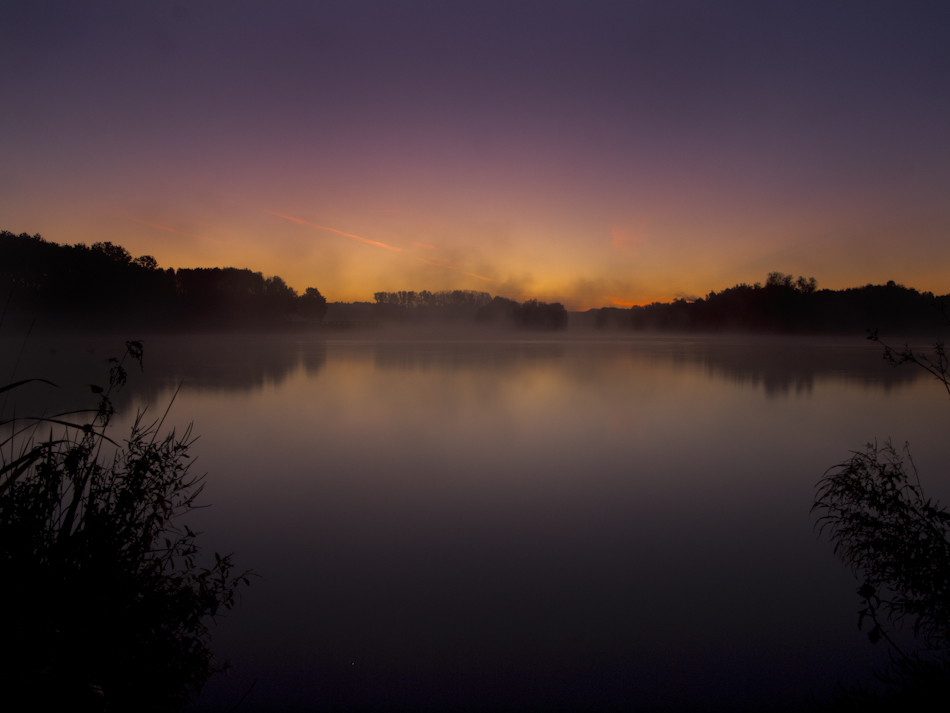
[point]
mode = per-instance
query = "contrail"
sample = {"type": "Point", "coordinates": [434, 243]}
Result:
{"type": "Point", "coordinates": [166, 228]}
{"type": "Point", "coordinates": [453, 267]}
{"type": "Point", "coordinates": [437, 264]}
{"type": "Point", "coordinates": [334, 230]}
{"type": "Point", "coordinates": [480, 277]}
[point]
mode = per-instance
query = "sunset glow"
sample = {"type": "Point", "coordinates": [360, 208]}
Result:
{"type": "Point", "coordinates": [654, 152]}
{"type": "Point", "coordinates": [535, 355]}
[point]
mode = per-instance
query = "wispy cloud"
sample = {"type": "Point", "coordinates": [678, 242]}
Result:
{"type": "Point", "coordinates": [454, 267]}
{"type": "Point", "coordinates": [159, 226]}
{"type": "Point", "coordinates": [480, 277]}
{"type": "Point", "coordinates": [437, 264]}
{"type": "Point", "coordinates": [625, 239]}
{"type": "Point", "coordinates": [334, 230]}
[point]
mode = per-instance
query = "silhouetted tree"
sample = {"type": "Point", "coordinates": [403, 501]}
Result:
{"type": "Point", "coordinates": [425, 305]}
{"type": "Point", "coordinates": [788, 305]}
{"type": "Point", "coordinates": [500, 309]}
{"type": "Point", "coordinates": [78, 285]}
{"type": "Point", "coordinates": [279, 297]}
{"type": "Point", "coordinates": [313, 305]}
{"type": "Point", "coordinates": [146, 261]}
{"type": "Point", "coordinates": [541, 315]}
{"type": "Point", "coordinates": [116, 253]}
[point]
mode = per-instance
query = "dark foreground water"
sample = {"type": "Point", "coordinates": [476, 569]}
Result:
{"type": "Point", "coordinates": [504, 523]}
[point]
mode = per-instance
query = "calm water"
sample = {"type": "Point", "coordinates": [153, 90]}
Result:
{"type": "Point", "coordinates": [526, 523]}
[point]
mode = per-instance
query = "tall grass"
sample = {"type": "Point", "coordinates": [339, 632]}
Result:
{"type": "Point", "coordinates": [105, 601]}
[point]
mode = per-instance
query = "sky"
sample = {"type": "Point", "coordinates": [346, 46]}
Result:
{"type": "Point", "coordinates": [590, 153]}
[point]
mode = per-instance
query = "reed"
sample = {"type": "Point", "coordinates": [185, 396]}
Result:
{"type": "Point", "coordinates": [106, 597]}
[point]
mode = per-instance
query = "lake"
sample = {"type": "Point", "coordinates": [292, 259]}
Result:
{"type": "Point", "coordinates": [483, 521]}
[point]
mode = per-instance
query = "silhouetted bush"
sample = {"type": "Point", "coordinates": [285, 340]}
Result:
{"type": "Point", "coordinates": [897, 541]}
{"type": "Point", "coordinates": [105, 604]}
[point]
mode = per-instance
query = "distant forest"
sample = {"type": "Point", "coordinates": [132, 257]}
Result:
{"type": "Point", "coordinates": [104, 286]}
{"type": "Point", "coordinates": [468, 305]}
{"type": "Point", "coordinates": [787, 305]}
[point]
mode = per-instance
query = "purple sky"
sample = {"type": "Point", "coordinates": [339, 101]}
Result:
{"type": "Point", "coordinates": [588, 152]}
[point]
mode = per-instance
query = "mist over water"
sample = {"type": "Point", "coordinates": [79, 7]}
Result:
{"type": "Point", "coordinates": [495, 522]}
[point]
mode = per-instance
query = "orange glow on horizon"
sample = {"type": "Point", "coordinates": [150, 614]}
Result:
{"type": "Point", "coordinates": [645, 303]}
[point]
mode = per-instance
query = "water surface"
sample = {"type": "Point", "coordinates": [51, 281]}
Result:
{"type": "Point", "coordinates": [516, 523]}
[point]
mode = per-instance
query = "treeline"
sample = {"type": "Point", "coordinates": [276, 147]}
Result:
{"type": "Point", "coordinates": [529, 315]}
{"type": "Point", "coordinates": [103, 285]}
{"type": "Point", "coordinates": [444, 299]}
{"type": "Point", "coordinates": [428, 306]}
{"type": "Point", "coordinates": [454, 305]}
{"type": "Point", "coordinates": [787, 305]}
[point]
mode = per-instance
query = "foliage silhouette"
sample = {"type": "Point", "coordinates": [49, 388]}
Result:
{"type": "Point", "coordinates": [541, 315]}
{"type": "Point", "coordinates": [313, 305]}
{"type": "Point", "coordinates": [465, 305]}
{"type": "Point", "coordinates": [784, 305]}
{"type": "Point", "coordinates": [937, 365]}
{"type": "Point", "coordinates": [427, 306]}
{"type": "Point", "coordinates": [107, 604]}
{"type": "Point", "coordinates": [80, 287]}
{"type": "Point", "coordinates": [897, 541]}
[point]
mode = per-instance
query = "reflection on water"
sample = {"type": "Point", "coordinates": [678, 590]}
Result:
{"type": "Point", "coordinates": [232, 362]}
{"type": "Point", "coordinates": [510, 524]}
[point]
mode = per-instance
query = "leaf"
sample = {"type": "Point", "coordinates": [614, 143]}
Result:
{"type": "Point", "coordinates": [14, 385]}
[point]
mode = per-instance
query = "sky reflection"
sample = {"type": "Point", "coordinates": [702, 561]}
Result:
{"type": "Point", "coordinates": [507, 524]}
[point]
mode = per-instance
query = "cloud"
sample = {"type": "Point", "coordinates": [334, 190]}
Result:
{"type": "Point", "coordinates": [437, 264]}
{"type": "Point", "coordinates": [334, 230]}
{"type": "Point", "coordinates": [591, 293]}
{"type": "Point", "coordinates": [626, 239]}
{"type": "Point", "coordinates": [453, 267]}
{"type": "Point", "coordinates": [480, 277]}
{"type": "Point", "coordinates": [427, 247]}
